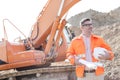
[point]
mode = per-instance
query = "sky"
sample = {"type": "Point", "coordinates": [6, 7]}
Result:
{"type": "Point", "coordinates": [23, 13]}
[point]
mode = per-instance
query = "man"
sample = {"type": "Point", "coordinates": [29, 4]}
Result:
{"type": "Point", "coordinates": [80, 53]}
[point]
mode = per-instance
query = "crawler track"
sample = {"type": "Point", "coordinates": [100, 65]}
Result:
{"type": "Point", "coordinates": [50, 69]}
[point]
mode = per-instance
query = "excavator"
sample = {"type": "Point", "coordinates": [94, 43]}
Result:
{"type": "Point", "coordinates": [47, 42]}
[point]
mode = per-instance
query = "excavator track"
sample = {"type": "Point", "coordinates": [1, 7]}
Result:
{"type": "Point", "coordinates": [37, 72]}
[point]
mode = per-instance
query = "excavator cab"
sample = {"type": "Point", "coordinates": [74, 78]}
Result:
{"type": "Point", "coordinates": [17, 54]}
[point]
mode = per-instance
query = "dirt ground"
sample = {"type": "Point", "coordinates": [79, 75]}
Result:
{"type": "Point", "coordinates": [106, 25]}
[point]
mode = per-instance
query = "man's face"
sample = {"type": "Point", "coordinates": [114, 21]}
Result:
{"type": "Point", "coordinates": [87, 27]}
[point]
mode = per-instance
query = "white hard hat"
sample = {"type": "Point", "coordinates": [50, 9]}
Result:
{"type": "Point", "coordinates": [98, 51]}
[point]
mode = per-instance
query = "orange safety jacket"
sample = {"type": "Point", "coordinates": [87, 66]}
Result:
{"type": "Point", "coordinates": [77, 48]}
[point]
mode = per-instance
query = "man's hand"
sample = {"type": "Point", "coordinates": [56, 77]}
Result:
{"type": "Point", "coordinates": [75, 58]}
{"type": "Point", "coordinates": [105, 56]}
{"type": "Point", "coordinates": [71, 59]}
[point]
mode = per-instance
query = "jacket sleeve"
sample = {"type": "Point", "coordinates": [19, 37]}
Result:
{"type": "Point", "coordinates": [106, 46]}
{"type": "Point", "coordinates": [70, 53]}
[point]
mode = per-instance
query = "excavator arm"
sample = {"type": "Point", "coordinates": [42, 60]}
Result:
{"type": "Point", "coordinates": [48, 22]}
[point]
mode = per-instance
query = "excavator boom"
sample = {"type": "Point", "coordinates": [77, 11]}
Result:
{"type": "Point", "coordinates": [46, 19]}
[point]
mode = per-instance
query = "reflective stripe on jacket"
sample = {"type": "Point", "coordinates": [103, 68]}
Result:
{"type": "Point", "coordinates": [77, 47]}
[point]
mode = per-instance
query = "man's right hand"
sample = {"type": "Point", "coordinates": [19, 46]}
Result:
{"type": "Point", "coordinates": [71, 58]}
{"type": "Point", "coordinates": [77, 60]}
{"type": "Point", "coordinates": [104, 56]}
{"type": "Point", "coordinates": [74, 60]}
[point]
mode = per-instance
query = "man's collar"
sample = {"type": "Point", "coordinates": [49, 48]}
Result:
{"type": "Point", "coordinates": [81, 35]}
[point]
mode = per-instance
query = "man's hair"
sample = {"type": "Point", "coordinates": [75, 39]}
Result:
{"type": "Point", "coordinates": [84, 20]}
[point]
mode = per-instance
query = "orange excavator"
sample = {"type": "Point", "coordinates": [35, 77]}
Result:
{"type": "Point", "coordinates": [47, 42]}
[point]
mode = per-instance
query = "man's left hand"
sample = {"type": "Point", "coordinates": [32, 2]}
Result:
{"type": "Point", "coordinates": [105, 56]}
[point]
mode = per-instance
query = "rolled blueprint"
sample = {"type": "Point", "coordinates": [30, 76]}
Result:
{"type": "Point", "coordinates": [91, 65]}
